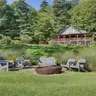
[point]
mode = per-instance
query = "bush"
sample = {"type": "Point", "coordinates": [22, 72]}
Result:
{"type": "Point", "coordinates": [15, 42]}
{"type": "Point", "coordinates": [26, 39]}
{"type": "Point", "coordinates": [75, 51]}
{"type": "Point", "coordinates": [6, 40]}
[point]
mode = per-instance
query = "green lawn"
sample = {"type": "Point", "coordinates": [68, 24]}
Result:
{"type": "Point", "coordinates": [28, 84]}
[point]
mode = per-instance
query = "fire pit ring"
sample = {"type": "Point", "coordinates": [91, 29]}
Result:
{"type": "Point", "coordinates": [48, 70]}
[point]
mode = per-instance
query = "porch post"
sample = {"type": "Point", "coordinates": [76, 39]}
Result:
{"type": "Point", "coordinates": [77, 39]}
{"type": "Point", "coordinates": [58, 39]}
{"type": "Point", "coordinates": [93, 37]}
{"type": "Point", "coordinates": [85, 39]}
{"type": "Point", "coordinates": [70, 39]}
{"type": "Point", "coordinates": [64, 39]}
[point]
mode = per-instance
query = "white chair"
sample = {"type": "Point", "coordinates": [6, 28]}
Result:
{"type": "Point", "coordinates": [69, 63]}
{"type": "Point", "coordinates": [22, 62]}
{"type": "Point", "coordinates": [52, 61]}
{"type": "Point", "coordinates": [3, 65]}
{"type": "Point", "coordinates": [44, 61]}
{"type": "Point", "coordinates": [80, 65]}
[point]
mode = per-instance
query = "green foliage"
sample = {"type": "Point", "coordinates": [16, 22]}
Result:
{"type": "Point", "coordinates": [61, 53]}
{"type": "Point", "coordinates": [26, 39]}
{"type": "Point", "coordinates": [22, 10]}
{"type": "Point", "coordinates": [44, 27]}
{"type": "Point", "coordinates": [75, 2]}
{"type": "Point", "coordinates": [2, 2]}
{"type": "Point", "coordinates": [43, 6]}
{"type": "Point", "coordinates": [5, 40]}
{"type": "Point", "coordinates": [61, 15]}
{"type": "Point", "coordinates": [76, 52]}
{"type": "Point", "coordinates": [19, 20]}
{"type": "Point", "coordinates": [15, 42]}
{"type": "Point", "coordinates": [84, 15]}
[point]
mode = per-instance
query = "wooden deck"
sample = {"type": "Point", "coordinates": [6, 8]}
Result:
{"type": "Point", "coordinates": [75, 40]}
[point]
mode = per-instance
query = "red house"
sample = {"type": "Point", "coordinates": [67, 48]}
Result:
{"type": "Point", "coordinates": [73, 36]}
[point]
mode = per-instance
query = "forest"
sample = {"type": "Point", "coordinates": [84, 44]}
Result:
{"type": "Point", "coordinates": [21, 23]}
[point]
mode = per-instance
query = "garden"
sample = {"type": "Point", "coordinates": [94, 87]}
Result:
{"type": "Point", "coordinates": [61, 53]}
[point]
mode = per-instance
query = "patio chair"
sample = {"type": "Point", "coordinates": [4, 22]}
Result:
{"type": "Point", "coordinates": [3, 64]}
{"type": "Point", "coordinates": [69, 62]}
{"type": "Point", "coordinates": [22, 62]}
{"type": "Point", "coordinates": [51, 61]}
{"type": "Point", "coordinates": [80, 65]}
{"type": "Point", "coordinates": [44, 61]}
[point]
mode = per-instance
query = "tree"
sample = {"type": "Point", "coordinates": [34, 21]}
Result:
{"type": "Point", "coordinates": [2, 18]}
{"type": "Point", "coordinates": [44, 27]}
{"type": "Point", "coordinates": [61, 15]}
{"type": "Point", "coordinates": [43, 6]}
{"type": "Point", "coordinates": [2, 2]}
{"type": "Point", "coordinates": [84, 15]}
{"type": "Point", "coordinates": [75, 2]}
{"type": "Point", "coordinates": [22, 22]}
{"type": "Point", "coordinates": [22, 10]}
{"type": "Point", "coordinates": [6, 15]}
{"type": "Point", "coordinates": [33, 18]}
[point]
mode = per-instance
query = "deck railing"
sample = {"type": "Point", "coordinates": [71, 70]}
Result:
{"type": "Point", "coordinates": [73, 39]}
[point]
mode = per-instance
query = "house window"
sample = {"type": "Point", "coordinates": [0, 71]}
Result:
{"type": "Point", "coordinates": [87, 42]}
{"type": "Point", "coordinates": [73, 42]}
{"type": "Point", "coordinates": [82, 42]}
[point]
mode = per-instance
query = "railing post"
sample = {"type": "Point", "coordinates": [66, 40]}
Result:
{"type": "Point", "coordinates": [64, 39]}
{"type": "Point", "coordinates": [93, 37]}
{"type": "Point", "coordinates": [85, 40]}
{"type": "Point", "coordinates": [58, 39]}
{"type": "Point", "coordinates": [77, 39]}
{"type": "Point", "coordinates": [70, 39]}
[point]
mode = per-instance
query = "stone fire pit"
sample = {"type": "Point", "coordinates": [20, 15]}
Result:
{"type": "Point", "coordinates": [49, 70]}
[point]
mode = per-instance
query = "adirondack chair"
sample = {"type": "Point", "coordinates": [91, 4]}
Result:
{"type": "Point", "coordinates": [3, 64]}
{"type": "Point", "coordinates": [80, 65]}
{"type": "Point", "coordinates": [22, 62]}
{"type": "Point", "coordinates": [69, 62]}
{"type": "Point", "coordinates": [44, 61]}
{"type": "Point", "coordinates": [51, 61]}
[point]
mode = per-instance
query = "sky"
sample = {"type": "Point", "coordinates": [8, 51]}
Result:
{"type": "Point", "coordinates": [34, 3]}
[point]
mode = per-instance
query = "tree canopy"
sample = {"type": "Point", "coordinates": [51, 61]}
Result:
{"type": "Point", "coordinates": [23, 23]}
{"type": "Point", "coordinates": [84, 15]}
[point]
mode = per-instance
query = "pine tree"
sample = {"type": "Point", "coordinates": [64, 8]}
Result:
{"type": "Point", "coordinates": [22, 10]}
{"type": "Point", "coordinates": [61, 15]}
{"type": "Point", "coordinates": [43, 6]}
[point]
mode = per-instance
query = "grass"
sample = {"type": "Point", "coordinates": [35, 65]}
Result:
{"type": "Point", "coordinates": [28, 84]}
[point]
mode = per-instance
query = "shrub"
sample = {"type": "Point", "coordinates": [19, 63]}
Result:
{"type": "Point", "coordinates": [75, 51]}
{"type": "Point", "coordinates": [26, 39]}
{"type": "Point", "coordinates": [15, 42]}
{"type": "Point", "coordinates": [6, 40]}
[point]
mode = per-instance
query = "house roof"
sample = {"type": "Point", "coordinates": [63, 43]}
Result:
{"type": "Point", "coordinates": [72, 30]}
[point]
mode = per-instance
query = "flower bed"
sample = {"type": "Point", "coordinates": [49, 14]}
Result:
{"type": "Point", "coordinates": [49, 70]}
